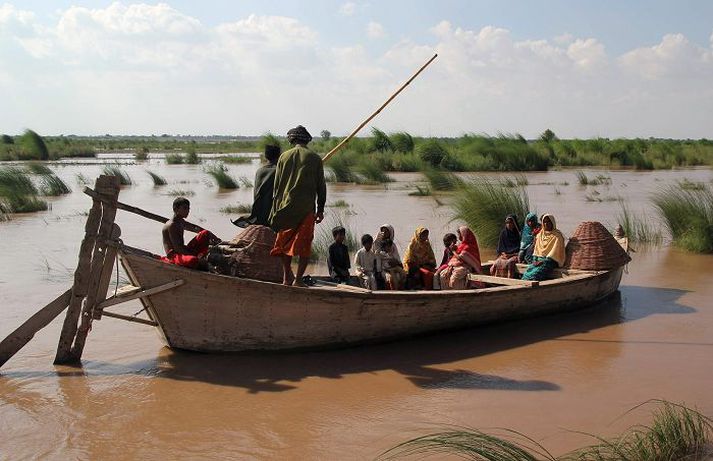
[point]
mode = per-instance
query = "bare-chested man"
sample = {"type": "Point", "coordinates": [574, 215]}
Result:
{"type": "Point", "coordinates": [193, 254]}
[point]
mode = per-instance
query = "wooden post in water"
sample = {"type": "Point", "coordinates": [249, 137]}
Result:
{"type": "Point", "coordinates": [91, 261]}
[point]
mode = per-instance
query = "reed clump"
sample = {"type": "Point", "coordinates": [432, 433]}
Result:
{"type": "Point", "coordinates": [676, 433]}
{"type": "Point", "coordinates": [637, 229]}
{"type": "Point", "coordinates": [483, 204]}
{"type": "Point", "coordinates": [236, 159]}
{"type": "Point", "coordinates": [339, 204]}
{"type": "Point", "coordinates": [141, 153]}
{"type": "Point", "coordinates": [53, 185]}
{"type": "Point", "coordinates": [158, 180]}
{"type": "Point", "coordinates": [688, 216]}
{"type": "Point", "coordinates": [421, 191]}
{"type": "Point", "coordinates": [18, 193]}
{"type": "Point", "coordinates": [174, 159]}
{"type": "Point", "coordinates": [38, 168]}
{"type": "Point", "coordinates": [240, 208]}
{"type": "Point", "coordinates": [441, 180]}
{"type": "Point", "coordinates": [219, 173]}
{"type": "Point", "coordinates": [372, 173]}
{"type": "Point", "coordinates": [116, 170]}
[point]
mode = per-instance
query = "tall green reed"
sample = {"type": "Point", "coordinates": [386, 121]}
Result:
{"type": "Point", "coordinates": [688, 216]}
{"type": "Point", "coordinates": [223, 179]}
{"type": "Point", "coordinates": [116, 170]}
{"type": "Point", "coordinates": [483, 205]}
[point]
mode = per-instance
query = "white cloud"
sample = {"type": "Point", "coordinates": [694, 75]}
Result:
{"type": "Point", "coordinates": [347, 9]}
{"type": "Point", "coordinates": [675, 56]}
{"type": "Point", "coordinates": [374, 30]}
{"type": "Point", "coordinates": [103, 67]}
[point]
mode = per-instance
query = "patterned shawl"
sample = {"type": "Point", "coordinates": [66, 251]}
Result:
{"type": "Point", "coordinates": [468, 249]}
{"type": "Point", "coordinates": [419, 253]}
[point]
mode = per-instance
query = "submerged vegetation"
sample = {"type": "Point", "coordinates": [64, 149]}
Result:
{"type": "Point", "coordinates": [53, 186]}
{"type": "Point", "coordinates": [688, 216]}
{"type": "Point", "coordinates": [676, 433]}
{"type": "Point", "coordinates": [222, 178]}
{"type": "Point", "coordinates": [638, 229]}
{"type": "Point", "coordinates": [115, 170]}
{"type": "Point", "coordinates": [236, 209]}
{"type": "Point", "coordinates": [18, 193]}
{"type": "Point", "coordinates": [483, 204]}
{"type": "Point", "coordinates": [157, 179]}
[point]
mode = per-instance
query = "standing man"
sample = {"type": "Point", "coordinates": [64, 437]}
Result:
{"type": "Point", "coordinates": [299, 181]}
{"type": "Point", "coordinates": [264, 187]}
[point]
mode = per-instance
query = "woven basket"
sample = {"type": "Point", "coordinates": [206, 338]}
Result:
{"type": "Point", "coordinates": [593, 248]}
{"type": "Point", "coordinates": [255, 262]}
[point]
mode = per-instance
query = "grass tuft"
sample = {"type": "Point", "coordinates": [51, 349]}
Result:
{"type": "Point", "coordinates": [600, 179]}
{"type": "Point", "coordinates": [180, 193]}
{"type": "Point", "coordinates": [240, 208]}
{"type": "Point", "coordinates": [53, 186]}
{"type": "Point", "coordinates": [421, 192]}
{"type": "Point", "coordinates": [157, 179]}
{"type": "Point", "coordinates": [688, 215]}
{"type": "Point", "coordinates": [483, 204]}
{"type": "Point", "coordinates": [676, 433]}
{"type": "Point", "coordinates": [372, 173]}
{"type": "Point", "coordinates": [245, 182]}
{"type": "Point", "coordinates": [174, 159]}
{"type": "Point", "coordinates": [115, 170]}
{"type": "Point", "coordinates": [222, 178]}
{"type": "Point", "coordinates": [440, 179]}
{"type": "Point", "coordinates": [638, 230]}
{"type": "Point", "coordinates": [236, 159]}
{"type": "Point", "coordinates": [38, 168]}
{"type": "Point", "coordinates": [339, 204]}
{"type": "Point", "coordinates": [18, 193]}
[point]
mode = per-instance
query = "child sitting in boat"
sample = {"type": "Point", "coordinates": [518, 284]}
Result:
{"type": "Point", "coordinates": [338, 257]}
{"type": "Point", "coordinates": [191, 255]}
{"type": "Point", "coordinates": [450, 242]}
{"type": "Point", "coordinates": [386, 250]}
{"type": "Point", "coordinates": [366, 264]}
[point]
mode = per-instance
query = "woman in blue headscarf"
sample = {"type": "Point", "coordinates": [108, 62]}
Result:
{"type": "Point", "coordinates": [527, 242]}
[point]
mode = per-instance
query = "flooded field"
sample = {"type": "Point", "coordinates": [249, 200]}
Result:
{"type": "Point", "coordinates": [134, 398]}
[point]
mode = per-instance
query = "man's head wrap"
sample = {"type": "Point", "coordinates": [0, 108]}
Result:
{"type": "Point", "coordinates": [299, 135]}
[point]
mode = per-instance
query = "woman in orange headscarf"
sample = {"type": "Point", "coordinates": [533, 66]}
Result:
{"type": "Point", "coordinates": [466, 260]}
{"type": "Point", "coordinates": [419, 261]}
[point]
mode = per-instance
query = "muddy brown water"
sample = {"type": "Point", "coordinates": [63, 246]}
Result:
{"type": "Point", "coordinates": [546, 377]}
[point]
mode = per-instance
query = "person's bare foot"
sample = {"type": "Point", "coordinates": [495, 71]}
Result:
{"type": "Point", "coordinates": [289, 279]}
{"type": "Point", "coordinates": [299, 283]}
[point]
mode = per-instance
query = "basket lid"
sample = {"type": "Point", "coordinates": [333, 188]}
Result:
{"type": "Point", "coordinates": [592, 247]}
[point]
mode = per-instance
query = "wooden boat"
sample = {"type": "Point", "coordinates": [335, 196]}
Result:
{"type": "Point", "coordinates": [207, 312]}
{"type": "Point", "coordinates": [202, 311]}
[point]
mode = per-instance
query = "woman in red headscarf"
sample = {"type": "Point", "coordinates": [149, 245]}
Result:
{"type": "Point", "coordinates": [466, 260]}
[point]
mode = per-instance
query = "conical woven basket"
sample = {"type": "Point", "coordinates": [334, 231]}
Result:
{"type": "Point", "coordinates": [255, 261]}
{"type": "Point", "coordinates": [593, 248]}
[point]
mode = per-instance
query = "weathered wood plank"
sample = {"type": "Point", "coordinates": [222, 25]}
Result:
{"type": "Point", "coordinates": [139, 294]}
{"type": "Point", "coordinates": [130, 319]}
{"type": "Point", "coordinates": [25, 332]}
{"type": "Point", "coordinates": [502, 280]}
{"type": "Point", "coordinates": [81, 277]}
{"type": "Point", "coordinates": [109, 192]}
{"type": "Point", "coordinates": [107, 271]}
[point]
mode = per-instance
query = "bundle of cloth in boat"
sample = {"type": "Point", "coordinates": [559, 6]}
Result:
{"type": "Point", "coordinates": [593, 248]}
{"type": "Point", "coordinates": [252, 259]}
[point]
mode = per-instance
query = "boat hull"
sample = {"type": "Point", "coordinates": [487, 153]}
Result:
{"type": "Point", "coordinates": [214, 313]}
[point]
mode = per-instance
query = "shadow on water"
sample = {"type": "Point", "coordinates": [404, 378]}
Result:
{"type": "Point", "coordinates": [412, 358]}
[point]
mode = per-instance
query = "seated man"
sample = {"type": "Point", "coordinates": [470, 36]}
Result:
{"type": "Point", "coordinates": [193, 254]}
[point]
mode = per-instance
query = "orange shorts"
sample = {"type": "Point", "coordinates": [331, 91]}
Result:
{"type": "Point", "coordinates": [295, 242]}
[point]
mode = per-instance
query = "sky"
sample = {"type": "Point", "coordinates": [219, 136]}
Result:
{"type": "Point", "coordinates": [610, 68]}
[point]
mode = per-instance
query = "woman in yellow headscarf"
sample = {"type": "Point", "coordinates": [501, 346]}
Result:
{"type": "Point", "coordinates": [419, 261]}
{"type": "Point", "coordinates": [549, 251]}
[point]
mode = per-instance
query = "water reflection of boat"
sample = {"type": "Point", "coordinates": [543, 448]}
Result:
{"type": "Point", "coordinates": [214, 313]}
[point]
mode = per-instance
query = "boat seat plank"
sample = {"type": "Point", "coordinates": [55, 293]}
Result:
{"type": "Point", "coordinates": [502, 280]}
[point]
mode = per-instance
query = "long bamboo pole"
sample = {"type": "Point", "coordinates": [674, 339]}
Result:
{"type": "Point", "coordinates": [348, 138]}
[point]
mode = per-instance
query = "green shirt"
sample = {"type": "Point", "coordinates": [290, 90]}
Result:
{"type": "Point", "coordinates": [299, 181]}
